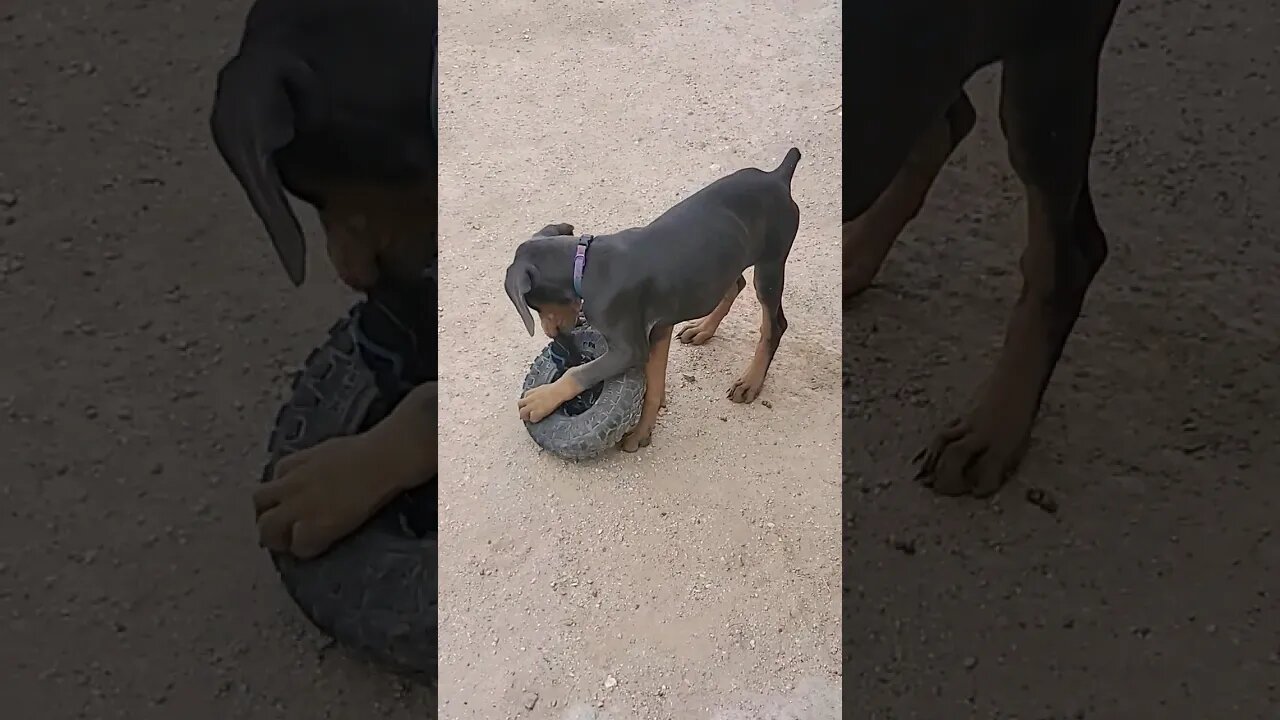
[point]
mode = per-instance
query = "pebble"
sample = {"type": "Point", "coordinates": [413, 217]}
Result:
{"type": "Point", "coordinates": [1042, 500]}
{"type": "Point", "coordinates": [8, 199]}
{"type": "Point", "coordinates": [610, 681]}
{"type": "Point", "coordinates": [905, 545]}
{"type": "Point", "coordinates": [530, 700]}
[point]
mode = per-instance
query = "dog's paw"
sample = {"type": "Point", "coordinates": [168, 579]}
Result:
{"type": "Point", "coordinates": [636, 439]}
{"type": "Point", "coordinates": [539, 402]}
{"type": "Point", "coordinates": [697, 332]}
{"type": "Point", "coordinates": [320, 495]}
{"type": "Point", "coordinates": [746, 388]}
{"type": "Point", "coordinates": [974, 455]}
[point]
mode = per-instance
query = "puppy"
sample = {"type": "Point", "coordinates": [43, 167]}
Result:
{"type": "Point", "coordinates": [635, 285]}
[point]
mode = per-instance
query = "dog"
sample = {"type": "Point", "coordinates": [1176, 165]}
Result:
{"type": "Point", "coordinates": [334, 102]}
{"type": "Point", "coordinates": [634, 286]}
{"type": "Point", "coordinates": [906, 63]}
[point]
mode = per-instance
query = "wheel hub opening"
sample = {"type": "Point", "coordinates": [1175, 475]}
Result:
{"type": "Point", "coordinates": [562, 358]}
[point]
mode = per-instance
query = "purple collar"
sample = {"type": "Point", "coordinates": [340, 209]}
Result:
{"type": "Point", "coordinates": [580, 262]}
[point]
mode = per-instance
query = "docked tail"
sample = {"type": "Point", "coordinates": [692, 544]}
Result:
{"type": "Point", "coordinates": [252, 119]}
{"type": "Point", "coordinates": [788, 166]}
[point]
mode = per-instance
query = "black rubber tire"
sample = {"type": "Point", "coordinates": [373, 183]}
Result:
{"type": "Point", "coordinates": [601, 426]}
{"type": "Point", "coordinates": [375, 591]}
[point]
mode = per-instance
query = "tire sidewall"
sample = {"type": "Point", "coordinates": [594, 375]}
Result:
{"type": "Point", "coordinates": [600, 427]}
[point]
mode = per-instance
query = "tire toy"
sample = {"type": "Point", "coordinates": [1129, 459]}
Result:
{"type": "Point", "coordinates": [595, 421]}
{"type": "Point", "coordinates": [374, 591]}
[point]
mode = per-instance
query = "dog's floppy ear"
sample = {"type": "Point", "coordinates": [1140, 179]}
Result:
{"type": "Point", "coordinates": [555, 230]}
{"type": "Point", "coordinates": [252, 119]}
{"type": "Point", "coordinates": [519, 282]}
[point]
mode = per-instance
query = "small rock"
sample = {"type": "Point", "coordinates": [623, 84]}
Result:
{"type": "Point", "coordinates": [610, 681]}
{"type": "Point", "coordinates": [767, 404]}
{"type": "Point", "coordinates": [8, 199]}
{"type": "Point", "coordinates": [1042, 500]}
{"type": "Point", "coordinates": [530, 700]}
{"type": "Point", "coordinates": [970, 663]}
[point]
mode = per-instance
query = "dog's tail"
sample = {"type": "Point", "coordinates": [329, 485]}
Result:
{"type": "Point", "coordinates": [788, 167]}
{"type": "Point", "coordinates": [253, 118]}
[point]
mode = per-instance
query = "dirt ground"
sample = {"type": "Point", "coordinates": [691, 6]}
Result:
{"type": "Point", "coordinates": [1154, 590]}
{"type": "Point", "coordinates": [697, 578]}
{"type": "Point", "coordinates": [149, 330]}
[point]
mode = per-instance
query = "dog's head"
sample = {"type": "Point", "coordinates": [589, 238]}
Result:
{"type": "Point", "coordinates": [536, 281]}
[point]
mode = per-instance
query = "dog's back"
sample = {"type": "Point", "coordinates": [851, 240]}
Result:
{"type": "Point", "coordinates": [713, 235]}
{"type": "Point", "coordinates": [749, 199]}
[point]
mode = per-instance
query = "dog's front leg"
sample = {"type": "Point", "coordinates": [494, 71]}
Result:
{"type": "Point", "coordinates": [543, 400]}
{"type": "Point", "coordinates": [655, 389]}
{"type": "Point", "coordinates": [320, 495]}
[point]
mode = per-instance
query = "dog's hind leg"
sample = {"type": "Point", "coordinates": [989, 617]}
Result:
{"type": "Point", "coordinates": [773, 323]}
{"type": "Point", "coordinates": [868, 237]}
{"type": "Point", "coordinates": [1048, 110]}
{"type": "Point", "coordinates": [700, 331]}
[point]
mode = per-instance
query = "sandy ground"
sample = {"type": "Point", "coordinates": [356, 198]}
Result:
{"type": "Point", "coordinates": [1154, 591]}
{"type": "Point", "coordinates": [697, 578]}
{"type": "Point", "coordinates": [147, 330]}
